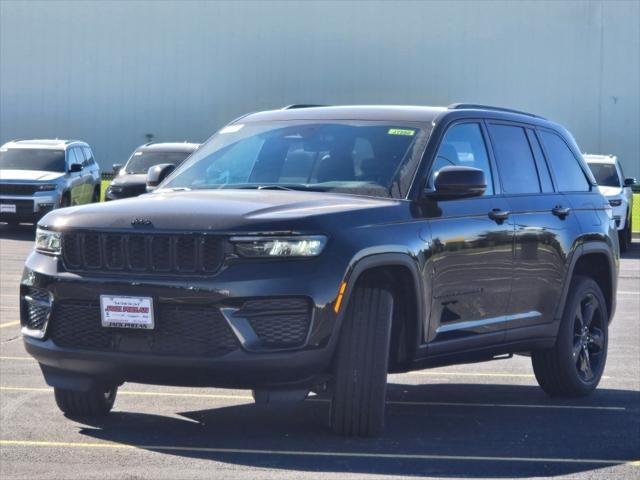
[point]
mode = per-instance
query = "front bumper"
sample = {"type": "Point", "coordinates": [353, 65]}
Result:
{"type": "Point", "coordinates": [243, 367]}
{"type": "Point", "coordinates": [28, 208]}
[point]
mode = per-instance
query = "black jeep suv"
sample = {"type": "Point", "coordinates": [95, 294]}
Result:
{"type": "Point", "coordinates": [319, 248]}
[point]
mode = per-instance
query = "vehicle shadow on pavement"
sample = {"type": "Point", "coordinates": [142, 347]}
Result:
{"type": "Point", "coordinates": [421, 420]}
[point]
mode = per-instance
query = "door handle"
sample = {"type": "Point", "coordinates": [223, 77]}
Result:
{"type": "Point", "coordinates": [560, 211]}
{"type": "Point", "coordinates": [498, 215]}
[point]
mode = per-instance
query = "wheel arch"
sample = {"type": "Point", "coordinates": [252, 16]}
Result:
{"type": "Point", "coordinates": [594, 260]}
{"type": "Point", "coordinates": [400, 273]}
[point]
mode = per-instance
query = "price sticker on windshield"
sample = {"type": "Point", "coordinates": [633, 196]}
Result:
{"type": "Point", "coordinates": [401, 131]}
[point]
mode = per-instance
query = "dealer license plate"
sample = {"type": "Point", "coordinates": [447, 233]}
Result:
{"type": "Point", "coordinates": [127, 312]}
{"type": "Point", "coordinates": [7, 208]}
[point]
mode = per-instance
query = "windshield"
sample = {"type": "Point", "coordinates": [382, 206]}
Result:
{"type": "Point", "coordinates": [606, 174]}
{"type": "Point", "coordinates": [366, 158]}
{"type": "Point", "coordinates": [141, 162]}
{"type": "Point", "coordinates": [32, 159]}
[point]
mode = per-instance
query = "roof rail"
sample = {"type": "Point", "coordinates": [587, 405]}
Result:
{"type": "Point", "coordinates": [475, 106]}
{"type": "Point", "coordinates": [301, 105]}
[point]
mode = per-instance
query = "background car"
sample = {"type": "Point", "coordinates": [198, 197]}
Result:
{"type": "Point", "coordinates": [37, 176]}
{"type": "Point", "coordinates": [613, 185]}
{"type": "Point", "coordinates": [131, 180]}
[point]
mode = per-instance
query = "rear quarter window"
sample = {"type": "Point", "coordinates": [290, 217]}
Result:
{"type": "Point", "coordinates": [568, 174]}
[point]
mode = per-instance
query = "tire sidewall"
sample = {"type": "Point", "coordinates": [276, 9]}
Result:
{"type": "Point", "coordinates": [580, 287]}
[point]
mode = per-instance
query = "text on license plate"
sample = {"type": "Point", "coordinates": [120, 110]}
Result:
{"type": "Point", "coordinates": [126, 312]}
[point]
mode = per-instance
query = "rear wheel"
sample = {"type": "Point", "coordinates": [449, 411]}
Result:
{"type": "Point", "coordinates": [574, 366]}
{"type": "Point", "coordinates": [95, 402]}
{"type": "Point", "coordinates": [360, 370]}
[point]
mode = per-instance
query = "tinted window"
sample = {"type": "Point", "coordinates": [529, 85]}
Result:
{"type": "Point", "coordinates": [518, 173]}
{"type": "Point", "coordinates": [141, 162]}
{"type": "Point", "coordinates": [464, 145]}
{"type": "Point", "coordinates": [32, 159]}
{"type": "Point", "coordinates": [368, 158]}
{"type": "Point", "coordinates": [543, 168]}
{"type": "Point", "coordinates": [565, 166]}
{"type": "Point", "coordinates": [605, 173]}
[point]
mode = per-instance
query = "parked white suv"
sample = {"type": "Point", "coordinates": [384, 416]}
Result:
{"type": "Point", "coordinates": [617, 189]}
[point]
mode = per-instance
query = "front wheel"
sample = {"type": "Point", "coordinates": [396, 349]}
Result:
{"type": "Point", "coordinates": [624, 235]}
{"type": "Point", "coordinates": [95, 402]}
{"type": "Point", "coordinates": [360, 368]}
{"type": "Point", "coordinates": [574, 366]}
{"type": "Point", "coordinates": [96, 195]}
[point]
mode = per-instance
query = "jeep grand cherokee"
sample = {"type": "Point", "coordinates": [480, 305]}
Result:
{"type": "Point", "coordinates": [319, 248]}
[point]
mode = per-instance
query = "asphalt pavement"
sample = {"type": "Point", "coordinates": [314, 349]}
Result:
{"type": "Point", "coordinates": [475, 421]}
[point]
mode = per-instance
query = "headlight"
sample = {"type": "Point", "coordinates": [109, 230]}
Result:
{"type": "Point", "coordinates": [46, 187]}
{"type": "Point", "coordinates": [269, 247]}
{"type": "Point", "coordinates": [616, 202]}
{"type": "Point", "coordinates": [48, 241]}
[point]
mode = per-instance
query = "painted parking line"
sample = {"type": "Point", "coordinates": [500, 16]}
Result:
{"type": "Point", "coordinates": [314, 453]}
{"type": "Point", "coordinates": [405, 403]}
{"type": "Point", "coordinates": [9, 324]}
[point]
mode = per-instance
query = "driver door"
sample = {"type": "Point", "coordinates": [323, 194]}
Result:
{"type": "Point", "coordinates": [472, 251]}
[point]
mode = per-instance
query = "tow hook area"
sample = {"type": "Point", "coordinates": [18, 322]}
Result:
{"type": "Point", "coordinates": [280, 396]}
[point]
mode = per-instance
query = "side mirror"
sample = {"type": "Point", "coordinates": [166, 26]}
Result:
{"type": "Point", "coordinates": [75, 167]}
{"type": "Point", "coordinates": [116, 167]}
{"type": "Point", "coordinates": [457, 182]}
{"type": "Point", "coordinates": [629, 182]}
{"type": "Point", "coordinates": [157, 173]}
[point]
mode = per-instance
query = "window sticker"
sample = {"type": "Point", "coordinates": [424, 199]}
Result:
{"type": "Point", "coordinates": [401, 131]}
{"type": "Point", "coordinates": [231, 128]}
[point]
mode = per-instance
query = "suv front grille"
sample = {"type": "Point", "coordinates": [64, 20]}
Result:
{"type": "Point", "coordinates": [142, 253]}
{"type": "Point", "coordinates": [17, 189]}
{"type": "Point", "coordinates": [179, 330]}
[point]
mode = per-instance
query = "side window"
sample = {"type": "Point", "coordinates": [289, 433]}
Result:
{"type": "Point", "coordinates": [88, 155]}
{"type": "Point", "coordinates": [543, 168]}
{"type": "Point", "coordinates": [72, 158]}
{"type": "Point", "coordinates": [516, 164]}
{"type": "Point", "coordinates": [463, 145]}
{"type": "Point", "coordinates": [569, 176]}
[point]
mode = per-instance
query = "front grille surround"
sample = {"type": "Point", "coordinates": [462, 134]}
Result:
{"type": "Point", "coordinates": [143, 253]}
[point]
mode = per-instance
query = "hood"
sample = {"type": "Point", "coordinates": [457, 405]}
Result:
{"type": "Point", "coordinates": [610, 191]}
{"type": "Point", "coordinates": [222, 210]}
{"type": "Point", "coordinates": [29, 175]}
{"type": "Point", "coordinates": [130, 179]}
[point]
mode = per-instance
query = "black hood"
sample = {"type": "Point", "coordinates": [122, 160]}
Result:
{"type": "Point", "coordinates": [223, 210]}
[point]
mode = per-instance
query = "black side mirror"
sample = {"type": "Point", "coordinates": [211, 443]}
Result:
{"type": "Point", "coordinates": [116, 167]}
{"type": "Point", "coordinates": [629, 182]}
{"type": "Point", "coordinates": [457, 182]}
{"type": "Point", "coordinates": [157, 173]}
{"type": "Point", "coordinates": [75, 167]}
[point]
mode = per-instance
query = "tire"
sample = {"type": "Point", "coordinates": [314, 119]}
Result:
{"type": "Point", "coordinates": [96, 402]}
{"type": "Point", "coordinates": [624, 235]}
{"type": "Point", "coordinates": [360, 367]}
{"type": "Point", "coordinates": [96, 195]}
{"type": "Point", "coordinates": [562, 370]}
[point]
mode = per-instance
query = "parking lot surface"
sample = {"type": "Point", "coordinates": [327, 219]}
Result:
{"type": "Point", "coordinates": [479, 420]}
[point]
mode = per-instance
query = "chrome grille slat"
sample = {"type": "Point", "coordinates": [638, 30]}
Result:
{"type": "Point", "coordinates": [161, 254]}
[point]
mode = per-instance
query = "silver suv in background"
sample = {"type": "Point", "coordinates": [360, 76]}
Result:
{"type": "Point", "coordinates": [612, 183]}
{"type": "Point", "coordinates": [37, 176]}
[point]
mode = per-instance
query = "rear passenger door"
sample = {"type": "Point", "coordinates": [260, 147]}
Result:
{"type": "Point", "coordinates": [544, 227]}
